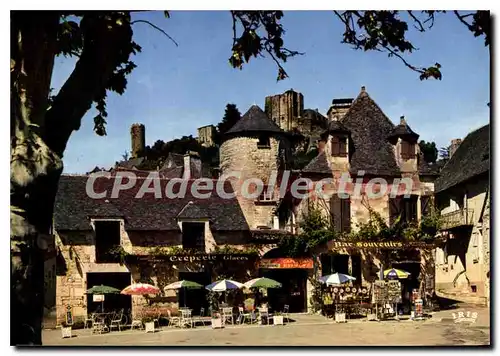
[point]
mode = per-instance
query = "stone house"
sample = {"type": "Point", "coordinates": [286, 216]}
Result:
{"type": "Point", "coordinates": [463, 197]}
{"type": "Point", "coordinates": [165, 239]}
{"type": "Point", "coordinates": [362, 145]}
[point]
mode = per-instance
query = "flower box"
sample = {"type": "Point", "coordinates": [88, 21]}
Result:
{"type": "Point", "coordinates": [278, 320]}
{"type": "Point", "coordinates": [150, 327]}
{"type": "Point", "coordinates": [66, 332]}
{"type": "Point", "coordinates": [340, 318]}
{"type": "Point", "coordinates": [217, 323]}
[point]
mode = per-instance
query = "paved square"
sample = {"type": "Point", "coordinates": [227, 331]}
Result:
{"type": "Point", "coordinates": [439, 331]}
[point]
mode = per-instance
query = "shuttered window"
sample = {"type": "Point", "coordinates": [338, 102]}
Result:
{"type": "Point", "coordinates": [339, 146]}
{"type": "Point", "coordinates": [407, 150]}
{"type": "Point", "coordinates": [340, 213]}
{"type": "Point", "coordinates": [404, 207]}
{"type": "Point", "coordinates": [425, 205]}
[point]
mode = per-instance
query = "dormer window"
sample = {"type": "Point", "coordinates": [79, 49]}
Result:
{"type": "Point", "coordinates": [264, 142]}
{"type": "Point", "coordinates": [339, 146]}
{"type": "Point", "coordinates": [407, 150]}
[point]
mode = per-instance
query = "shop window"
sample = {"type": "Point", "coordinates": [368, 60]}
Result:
{"type": "Point", "coordinates": [340, 213]}
{"type": "Point", "coordinates": [339, 146]}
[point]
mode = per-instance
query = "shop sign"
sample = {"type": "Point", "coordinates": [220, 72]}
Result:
{"type": "Point", "coordinates": [379, 245]}
{"type": "Point", "coordinates": [306, 263]}
{"type": "Point", "coordinates": [197, 257]}
{"type": "Point", "coordinates": [98, 297]}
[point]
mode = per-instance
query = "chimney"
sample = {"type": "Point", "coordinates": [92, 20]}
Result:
{"type": "Point", "coordinates": [454, 145]}
{"type": "Point", "coordinates": [363, 89]}
{"type": "Point", "coordinates": [192, 165]}
{"type": "Point", "coordinates": [402, 120]}
{"type": "Point", "coordinates": [138, 139]}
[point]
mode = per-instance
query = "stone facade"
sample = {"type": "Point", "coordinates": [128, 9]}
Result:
{"type": "Point", "coordinates": [206, 135]}
{"type": "Point", "coordinates": [242, 155]}
{"type": "Point", "coordinates": [138, 139]}
{"type": "Point", "coordinates": [462, 263]}
{"type": "Point", "coordinates": [78, 253]}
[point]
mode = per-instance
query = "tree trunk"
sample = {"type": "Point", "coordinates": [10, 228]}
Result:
{"type": "Point", "coordinates": [31, 217]}
{"type": "Point", "coordinates": [39, 136]}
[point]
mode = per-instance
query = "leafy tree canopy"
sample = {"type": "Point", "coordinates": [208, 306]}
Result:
{"type": "Point", "coordinates": [429, 151]}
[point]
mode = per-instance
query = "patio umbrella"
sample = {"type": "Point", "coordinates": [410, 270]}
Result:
{"type": "Point", "coordinates": [394, 273]}
{"type": "Point", "coordinates": [336, 279]}
{"type": "Point", "coordinates": [102, 289]}
{"type": "Point", "coordinates": [223, 286]}
{"type": "Point", "coordinates": [140, 289]}
{"type": "Point", "coordinates": [262, 282]}
{"type": "Point", "coordinates": [183, 284]}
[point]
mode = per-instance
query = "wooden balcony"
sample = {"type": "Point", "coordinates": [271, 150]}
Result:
{"type": "Point", "coordinates": [457, 218]}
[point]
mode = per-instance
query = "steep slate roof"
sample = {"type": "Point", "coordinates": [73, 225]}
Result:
{"type": "Point", "coordinates": [73, 208]}
{"type": "Point", "coordinates": [131, 163]}
{"type": "Point", "coordinates": [403, 130]}
{"type": "Point", "coordinates": [470, 159]}
{"type": "Point", "coordinates": [369, 127]}
{"type": "Point", "coordinates": [254, 121]}
{"type": "Point", "coordinates": [337, 126]}
{"type": "Point", "coordinates": [192, 211]}
{"type": "Point", "coordinates": [318, 165]}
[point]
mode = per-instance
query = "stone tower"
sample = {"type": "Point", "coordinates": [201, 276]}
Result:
{"type": "Point", "coordinates": [206, 135]}
{"type": "Point", "coordinates": [255, 148]}
{"type": "Point", "coordinates": [138, 139]}
{"type": "Point", "coordinates": [285, 109]}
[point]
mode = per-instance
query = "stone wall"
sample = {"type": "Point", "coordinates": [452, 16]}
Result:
{"type": "Point", "coordinates": [241, 155]}
{"type": "Point", "coordinates": [469, 244]}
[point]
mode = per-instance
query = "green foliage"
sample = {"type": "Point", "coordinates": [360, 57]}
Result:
{"type": "Point", "coordinates": [231, 117]}
{"type": "Point", "coordinates": [261, 34]}
{"type": "Point", "coordinates": [315, 231]}
{"type": "Point", "coordinates": [317, 297]}
{"type": "Point", "coordinates": [429, 151]}
{"type": "Point", "coordinates": [301, 159]}
{"type": "Point", "coordinates": [376, 229]}
{"type": "Point", "coordinates": [386, 31]}
{"type": "Point", "coordinates": [119, 253]}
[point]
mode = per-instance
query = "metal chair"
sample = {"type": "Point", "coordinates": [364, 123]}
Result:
{"type": "Point", "coordinates": [186, 318]}
{"type": "Point", "coordinates": [286, 309]}
{"type": "Point", "coordinates": [202, 318]}
{"type": "Point", "coordinates": [264, 314]}
{"type": "Point", "coordinates": [173, 320]}
{"type": "Point", "coordinates": [136, 322]}
{"type": "Point", "coordinates": [116, 321]}
{"type": "Point", "coordinates": [227, 315]}
{"type": "Point", "coordinates": [89, 319]}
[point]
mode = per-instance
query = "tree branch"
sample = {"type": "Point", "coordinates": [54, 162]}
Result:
{"type": "Point", "coordinates": [105, 40]}
{"type": "Point", "coordinates": [462, 17]}
{"type": "Point", "coordinates": [157, 28]}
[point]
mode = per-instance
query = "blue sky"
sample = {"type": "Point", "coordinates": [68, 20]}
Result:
{"type": "Point", "coordinates": [174, 90]}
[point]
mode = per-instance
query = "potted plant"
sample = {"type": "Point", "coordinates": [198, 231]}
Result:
{"type": "Point", "coordinates": [66, 330]}
{"type": "Point", "coordinates": [149, 324]}
{"type": "Point", "coordinates": [217, 321]}
{"type": "Point", "coordinates": [278, 319]}
{"type": "Point", "coordinates": [340, 317]}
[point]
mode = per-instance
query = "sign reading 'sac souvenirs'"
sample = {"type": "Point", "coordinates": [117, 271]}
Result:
{"type": "Point", "coordinates": [335, 245]}
{"type": "Point", "coordinates": [196, 257]}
